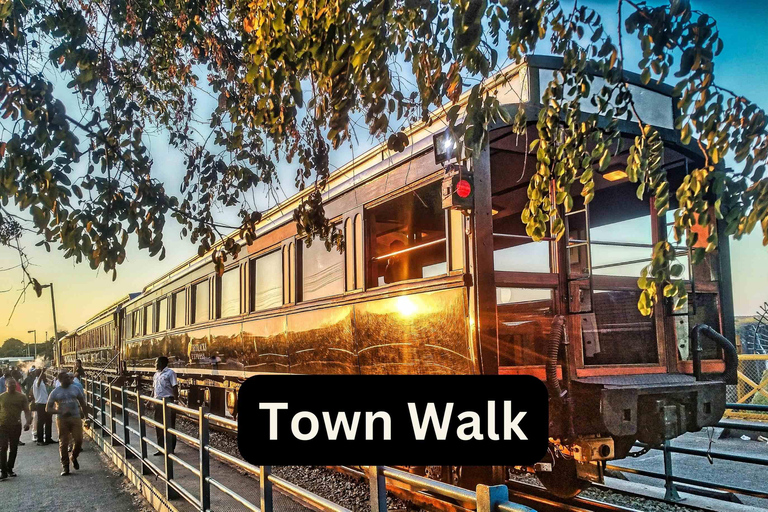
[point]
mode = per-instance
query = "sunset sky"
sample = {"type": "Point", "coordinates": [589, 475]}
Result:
{"type": "Point", "coordinates": [81, 292]}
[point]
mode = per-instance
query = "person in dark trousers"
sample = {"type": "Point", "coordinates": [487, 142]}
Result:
{"type": "Point", "coordinates": [165, 385]}
{"type": "Point", "coordinates": [15, 377]}
{"type": "Point", "coordinates": [12, 404]}
{"type": "Point", "coordinates": [68, 402]}
{"type": "Point", "coordinates": [44, 420]}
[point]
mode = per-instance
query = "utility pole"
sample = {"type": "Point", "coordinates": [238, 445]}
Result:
{"type": "Point", "coordinates": [55, 327]}
{"type": "Point", "coordinates": [34, 332]}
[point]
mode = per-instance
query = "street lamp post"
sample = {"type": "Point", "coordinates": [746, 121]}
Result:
{"type": "Point", "coordinates": [34, 332]}
{"type": "Point", "coordinates": [55, 327]}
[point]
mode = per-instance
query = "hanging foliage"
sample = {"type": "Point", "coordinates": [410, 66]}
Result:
{"type": "Point", "coordinates": [291, 80]}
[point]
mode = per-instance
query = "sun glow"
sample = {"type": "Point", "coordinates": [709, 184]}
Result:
{"type": "Point", "coordinates": [406, 306]}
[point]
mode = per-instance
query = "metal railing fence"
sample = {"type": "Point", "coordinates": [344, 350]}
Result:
{"type": "Point", "coordinates": [111, 417]}
{"type": "Point", "coordinates": [671, 481]}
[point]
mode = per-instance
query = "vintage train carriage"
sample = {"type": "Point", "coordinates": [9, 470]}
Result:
{"type": "Point", "coordinates": [96, 343]}
{"type": "Point", "coordinates": [427, 290]}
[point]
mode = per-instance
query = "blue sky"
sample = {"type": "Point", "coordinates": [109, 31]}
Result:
{"type": "Point", "coordinates": [80, 292]}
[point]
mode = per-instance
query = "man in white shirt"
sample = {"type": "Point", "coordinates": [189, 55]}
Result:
{"type": "Point", "coordinates": [44, 419]}
{"type": "Point", "coordinates": [165, 385]}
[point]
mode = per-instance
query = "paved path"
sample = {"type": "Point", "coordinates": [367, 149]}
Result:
{"type": "Point", "coordinates": [97, 486]}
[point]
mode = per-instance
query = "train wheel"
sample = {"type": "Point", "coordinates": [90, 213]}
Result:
{"type": "Point", "coordinates": [562, 480]}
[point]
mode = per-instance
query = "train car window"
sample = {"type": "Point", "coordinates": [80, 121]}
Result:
{"type": "Point", "coordinates": [179, 308]}
{"type": "Point", "coordinates": [229, 293]}
{"type": "Point", "coordinates": [132, 324]}
{"type": "Point", "coordinates": [148, 317]}
{"type": "Point", "coordinates": [513, 249]}
{"type": "Point", "coordinates": [162, 315]}
{"type": "Point", "coordinates": [322, 271]}
{"type": "Point", "coordinates": [620, 230]}
{"type": "Point", "coordinates": [407, 237]}
{"type": "Point", "coordinates": [681, 249]}
{"type": "Point", "coordinates": [266, 284]}
{"type": "Point", "coordinates": [525, 321]}
{"type": "Point", "coordinates": [616, 332]}
{"type": "Point", "coordinates": [200, 302]}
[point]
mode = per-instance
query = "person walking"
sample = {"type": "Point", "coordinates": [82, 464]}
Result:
{"type": "Point", "coordinates": [12, 404]}
{"type": "Point", "coordinates": [68, 402]}
{"type": "Point", "coordinates": [29, 380]}
{"type": "Point", "coordinates": [13, 381]}
{"type": "Point", "coordinates": [44, 419]}
{"type": "Point", "coordinates": [165, 385]}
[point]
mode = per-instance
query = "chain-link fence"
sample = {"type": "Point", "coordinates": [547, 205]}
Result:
{"type": "Point", "coordinates": [751, 388]}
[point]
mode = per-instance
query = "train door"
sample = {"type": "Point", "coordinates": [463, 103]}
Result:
{"type": "Point", "coordinates": [607, 243]}
{"type": "Point", "coordinates": [529, 292]}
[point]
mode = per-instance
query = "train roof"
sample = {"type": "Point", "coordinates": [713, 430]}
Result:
{"type": "Point", "coordinates": [514, 86]}
{"type": "Point", "coordinates": [107, 311]}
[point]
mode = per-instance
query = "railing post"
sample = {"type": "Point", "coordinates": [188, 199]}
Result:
{"type": "Point", "coordinates": [378, 484]}
{"type": "Point", "coordinates": [142, 434]}
{"type": "Point", "coordinates": [489, 497]}
{"type": "Point", "coordinates": [90, 414]}
{"type": "Point", "coordinates": [265, 487]}
{"type": "Point", "coordinates": [170, 492]}
{"type": "Point", "coordinates": [669, 484]}
{"type": "Point", "coordinates": [205, 469]}
{"type": "Point", "coordinates": [127, 454]}
{"type": "Point", "coordinates": [102, 409]}
{"type": "Point", "coordinates": [112, 422]}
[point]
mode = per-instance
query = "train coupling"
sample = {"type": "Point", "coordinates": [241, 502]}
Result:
{"type": "Point", "coordinates": [592, 449]}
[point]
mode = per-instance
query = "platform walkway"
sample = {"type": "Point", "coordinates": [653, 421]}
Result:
{"type": "Point", "coordinates": [97, 486]}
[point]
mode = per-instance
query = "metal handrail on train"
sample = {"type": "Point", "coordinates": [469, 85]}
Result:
{"type": "Point", "coordinates": [729, 376]}
{"type": "Point", "coordinates": [99, 398]}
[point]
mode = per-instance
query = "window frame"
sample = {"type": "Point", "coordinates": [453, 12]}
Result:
{"type": "Point", "coordinates": [156, 318]}
{"type": "Point", "coordinates": [219, 297]}
{"type": "Point", "coordinates": [301, 249]}
{"type": "Point", "coordinates": [173, 307]}
{"type": "Point", "coordinates": [368, 250]}
{"type": "Point", "coordinates": [285, 251]}
{"type": "Point", "coordinates": [193, 301]}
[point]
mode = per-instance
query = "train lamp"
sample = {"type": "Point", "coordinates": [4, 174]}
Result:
{"type": "Point", "coordinates": [458, 189]}
{"type": "Point", "coordinates": [34, 333]}
{"type": "Point", "coordinates": [446, 146]}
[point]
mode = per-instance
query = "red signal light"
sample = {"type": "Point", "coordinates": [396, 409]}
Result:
{"type": "Point", "coordinates": [463, 189]}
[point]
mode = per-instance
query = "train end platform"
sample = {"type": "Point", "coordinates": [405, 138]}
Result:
{"type": "Point", "coordinates": [97, 485]}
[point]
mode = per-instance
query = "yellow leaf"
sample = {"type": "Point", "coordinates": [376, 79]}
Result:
{"type": "Point", "coordinates": [248, 24]}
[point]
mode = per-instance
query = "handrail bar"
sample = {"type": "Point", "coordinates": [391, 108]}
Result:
{"type": "Point", "coordinates": [186, 437]}
{"type": "Point", "coordinates": [189, 467]}
{"type": "Point", "coordinates": [232, 494]}
{"type": "Point", "coordinates": [316, 500]}
{"type": "Point", "coordinates": [234, 460]}
{"type": "Point", "coordinates": [729, 375]}
{"type": "Point", "coordinates": [427, 484]}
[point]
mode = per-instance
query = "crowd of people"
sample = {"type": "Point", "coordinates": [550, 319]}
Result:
{"type": "Point", "coordinates": [31, 395]}
{"type": "Point", "coordinates": [63, 397]}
